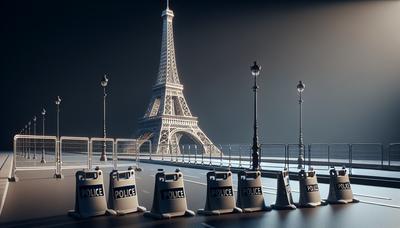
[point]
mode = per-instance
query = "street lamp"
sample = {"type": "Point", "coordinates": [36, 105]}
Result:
{"type": "Point", "coordinates": [43, 160]}
{"type": "Point", "coordinates": [58, 153]}
{"type": "Point", "coordinates": [58, 102]}
{"type": "Point", "coordinates": [104, 82]}
{"type": "Point", "coordinates": [29, 140]}
{"type": "Point", "coordinates": [24, 141]}
{"type": "Point", "coordinates": [34, 140]}
{"type": "Point", "coordinates": [300, 160]}
{"type": "Point", "coordinates": [255, 71]}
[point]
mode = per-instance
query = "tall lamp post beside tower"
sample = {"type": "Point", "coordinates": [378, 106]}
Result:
{"type": "Point", "coordinates": [34, 140]}
{"type": "Point", "coordinates": [43, 160]}
{"type": "Point", "coordinates": [104, 82]}
{"type": "Point", "coordinates": [255, 71]}
{"type": "Point", "coordinates": [58, 149]}
{"type": "Point", "coordinates": [300, 159]}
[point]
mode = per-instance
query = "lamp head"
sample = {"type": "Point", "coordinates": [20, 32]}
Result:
{"type": "Point", "coordinates": [43, 112]}
{"type": "Point", "coordinates": [104, 80]}
{"type": "Point", "coordinates": [58, 100]}
{"type": "Point", "coordinates": [255, 69]}
{"type": "Point", "coordinates": [300, 87]}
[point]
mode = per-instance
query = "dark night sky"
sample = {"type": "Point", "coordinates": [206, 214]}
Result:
{"type": "Point", "coordinates": [348, 54]}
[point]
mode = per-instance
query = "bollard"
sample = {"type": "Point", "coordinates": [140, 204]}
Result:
{"type": "Point", "coordinates": [339, 188]}
{"type": "Point", "coordinates": [220, 199]}
{"type": "Point", "coordinates": [90, 199]}
{"type": "Point", "coordinates": [169, 196]}
{"type": "Point", "coordinates": [250, 196]}
{"type": "Point", "coordinates": [284, 199]}
{"type": "Point", "coordinates": [309, 190]}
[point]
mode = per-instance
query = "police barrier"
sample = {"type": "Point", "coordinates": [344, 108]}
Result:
{"type": "Point", "coordinates": [169, 196]}
{"type": "Point", "coordinates": [122, 197]}
{"type": "Point", "coordinates": [309, 190]}
{"type": "Point", "coordinates": [90, 197]}
{"type": "Point", "coordinates": [339, 187]}
{"type": "Point", "coordinates": [284, 199]}
{"type": "Point", "coordinates": [220, 199]}
{"type": "Point", "coordinates": [250, 196]}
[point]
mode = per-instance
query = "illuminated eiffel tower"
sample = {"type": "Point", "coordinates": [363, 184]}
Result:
{"type": "Point", "coordinates": [168, 116]}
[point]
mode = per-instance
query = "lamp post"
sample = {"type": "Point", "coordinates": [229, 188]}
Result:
{"type": "Point", "coordinates": [34, 140]}
{"type": "Point", "coordinates": [58, 153]}
{"type": "Point", "coordinates": [255, 71]}
{"type": "Point", "coordinates": [300, 159]}
{"type": "Point", "coordinates": [24, 141]}
{"type": "Point", "coordinates": [43, 160]}
{"type": "Point", "coordinates": [104, 82]}
{"type": "Point", "coordinates": [29, 140]}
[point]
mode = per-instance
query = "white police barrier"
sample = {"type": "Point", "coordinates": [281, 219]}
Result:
{"type": "Point", "coordinates": [123, 197]}
{"type": "Point", "coordinates": [284, 199]}
{"type": "Point", "coordinates": [90, 196]}
{"type": "Point", "coordinates": [340, 191]}
{"type": "Point", "coordinates": [220, 198]}
{"type": "Point", "coordinates": [250, 196]}
{"type": "Point", "coordinates": [309, 190]}
{"type": "Point", "coordinates": [33, 152]}
{"type": "Point", "coordinates": [169, 196]}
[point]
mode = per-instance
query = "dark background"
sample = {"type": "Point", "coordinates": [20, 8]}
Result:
{"type": "Point", "coordinates": [347, 53]}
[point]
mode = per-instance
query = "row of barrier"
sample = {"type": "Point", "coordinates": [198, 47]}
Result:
{"type": "Point", "coordinates": [46, 152]}
{"type": "Point", "coordinates": [50, 153]}
{"type": "Point", "coordinates": [170, 196]}
{"type": "Point", "coordinates": [358, 155]}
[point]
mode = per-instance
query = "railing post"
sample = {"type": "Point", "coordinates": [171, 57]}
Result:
{"type": "Point", "coordinates": [162, 153]}
{"type": "Point", "coordinates": [189, 153]}
{"type": "Point", "coordinates": [309, 156]}
{"type": "Point", "coordinates": [176, 154]}
{"type": "Point", "coordinates": [260, 157]}
{"type": "Point", "coordinates": [220, 155]}
{"type": "Point", "coordinates": [170, 146]}
{"type": "Point", "coordinates": [250, 160]}
{"type": "Point", "coordinates": [202, 154]}
{"type": "Point", "coordinates": [240, 156]}
{"type": "Point", "coordinates": [382, 155]}
{"type": "Point", "coordinates": [90, 154]}
{"type": "Point", "coordinates": [210, 154]}
{"type": "Point", "coordinates": [389, 155]}
{"type": "Point", "coordinates": [150, 149]}
{"type": "Point", "coordinates": [195, 153]}
{"type": "Point", "coordinates": [183, 154]}
{"type": "Point", "coordinates": [229, 155]}
{"type": "Point", "coordinates": [329, 154]}
{"type": "Point", "coordinates": [14, 165]}
{"type": "Point", "coordinates": [350, 158]}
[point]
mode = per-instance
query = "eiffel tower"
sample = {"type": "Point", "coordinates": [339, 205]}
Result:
{"type": "Point", "coordinates": [168, 116]}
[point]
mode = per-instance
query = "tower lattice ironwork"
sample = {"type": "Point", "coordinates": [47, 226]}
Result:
{"type": "Point", "coordinates": [168, 116]}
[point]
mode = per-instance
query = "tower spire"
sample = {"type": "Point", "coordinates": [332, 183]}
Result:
{"type": "Point", "coordinates": [167, 71]}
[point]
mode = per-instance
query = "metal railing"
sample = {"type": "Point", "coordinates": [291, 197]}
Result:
{"type": "Point", "coordinates": [278, 156]}
{"type": "Point", "coordinates": [47, 153]}
{"type": "Point", "coordinates": [33, 152]}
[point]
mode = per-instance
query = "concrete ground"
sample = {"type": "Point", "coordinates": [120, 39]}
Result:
{"type": "Point", "coordinates": [39, 200]}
